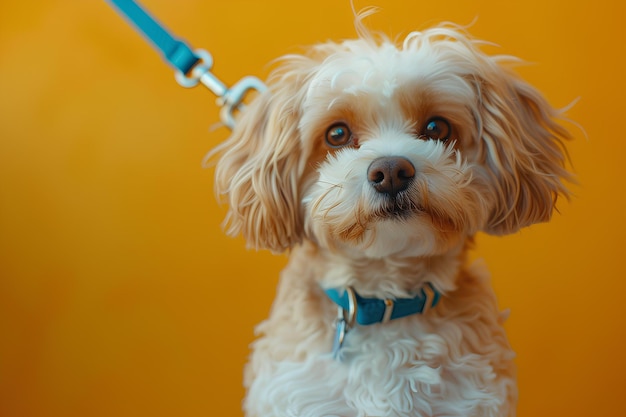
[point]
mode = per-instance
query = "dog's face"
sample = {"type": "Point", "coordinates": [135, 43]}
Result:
{"type": "Point", "coordinates": [391, 150]}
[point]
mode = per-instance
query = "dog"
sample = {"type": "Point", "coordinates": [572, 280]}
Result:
{"type": "Point", "coordinates": [373, 164]}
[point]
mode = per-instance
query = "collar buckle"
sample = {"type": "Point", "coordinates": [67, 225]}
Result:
{"type": "Point", "coordinates": [389, 305]}
{"type": "Point", "coordinates": [431, 298]}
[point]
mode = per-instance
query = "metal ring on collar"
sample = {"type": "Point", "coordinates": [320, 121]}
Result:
{"type": "Point", "coordinates": [352, 307]}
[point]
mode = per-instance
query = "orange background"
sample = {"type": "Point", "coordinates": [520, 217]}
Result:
{"type": "Point", "coordinates": [120, 295]}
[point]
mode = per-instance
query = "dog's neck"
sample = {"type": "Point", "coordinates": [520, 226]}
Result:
{"type": "Point", "coordinates": [388, 277]}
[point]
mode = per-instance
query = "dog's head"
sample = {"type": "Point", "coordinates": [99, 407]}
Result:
{"type": "Point", "coordinates": [391, 149]}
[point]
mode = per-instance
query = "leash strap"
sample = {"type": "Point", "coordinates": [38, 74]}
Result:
{"type": "Point", "coordinates": [192, 66]}
{"type": "Point", "coordinates": [175, 51]}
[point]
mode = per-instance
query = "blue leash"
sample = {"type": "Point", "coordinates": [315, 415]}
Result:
{"type": "Point", "coordinates": [191, 66]}
{"type": "Point", "coordinates": [175, 51]}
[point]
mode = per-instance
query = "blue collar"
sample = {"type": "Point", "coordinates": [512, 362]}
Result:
{"type": "Point", "coordinates": [366, 311]}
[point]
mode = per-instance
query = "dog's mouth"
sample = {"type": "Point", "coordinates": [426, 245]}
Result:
{"type": "Point", "coordinates": [397, 208]}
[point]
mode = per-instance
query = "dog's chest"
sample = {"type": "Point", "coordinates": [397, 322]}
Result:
{"type": "Point", "coordinates": [395, 369]}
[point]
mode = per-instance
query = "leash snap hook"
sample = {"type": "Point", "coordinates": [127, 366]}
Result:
{"type": "Point", "coordinates": [233, 98]}
{"type": "Point", "coordinates": [229, 99]}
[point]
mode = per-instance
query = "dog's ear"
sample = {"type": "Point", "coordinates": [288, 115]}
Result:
{"type": "Point", "coordinates": [259, 168]}
{"type": "Point", "coordinates": [524, 151]}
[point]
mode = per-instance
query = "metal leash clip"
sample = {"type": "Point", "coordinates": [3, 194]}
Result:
{"type": "Point", "coordinates": [230, 99]}
{"type": "Point", "coordinates": [191, 66]}
{"type": "Point", "coordinates": [345, 321]}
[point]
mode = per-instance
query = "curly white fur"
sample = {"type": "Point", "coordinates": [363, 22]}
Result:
{"type": "Point", "coordinates": [500, 168]}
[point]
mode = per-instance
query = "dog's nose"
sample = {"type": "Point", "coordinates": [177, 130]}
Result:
{"type": "Point", "coordinates": [390, 175]}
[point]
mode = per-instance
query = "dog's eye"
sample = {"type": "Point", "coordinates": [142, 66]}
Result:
{"type": "Point", "coordinates": [437, 128]}
{"type": "Point", "coordinates": [338, 135]}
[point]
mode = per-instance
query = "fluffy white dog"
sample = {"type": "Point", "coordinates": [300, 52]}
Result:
{"type": "Point", "coordinates": [374, 165]}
